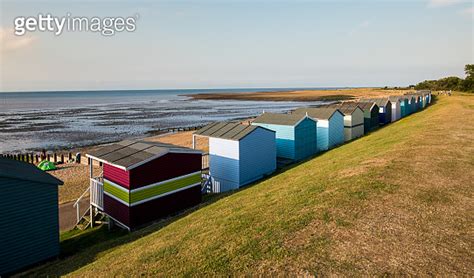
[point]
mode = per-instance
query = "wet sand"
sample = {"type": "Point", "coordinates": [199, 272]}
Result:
{"type": "Point", "coordinates": [304, 95]}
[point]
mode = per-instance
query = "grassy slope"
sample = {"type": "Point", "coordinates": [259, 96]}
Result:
{"type": "Point", "coordinates": [397, 201]}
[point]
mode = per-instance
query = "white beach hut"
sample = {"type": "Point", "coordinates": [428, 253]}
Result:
{"type": "Point", "coordinates": [353, 119]}
{"type": "Point", "coordinates": [396, 107]}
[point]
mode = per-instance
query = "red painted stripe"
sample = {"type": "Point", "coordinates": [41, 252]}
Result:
{"type": "Point", "coordinates": [117, 210]}
{"type": "Point", "coordinates": [117, 175]}
{"type": "Point", "coordinates": [164, 206]}
{"type": "Point", "coordinates": [169, 166]}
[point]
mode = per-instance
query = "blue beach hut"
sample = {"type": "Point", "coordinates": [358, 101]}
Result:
{"type": "Point", "coordinates": [385, 109]}
{"type": "Point", "coordinates": [238, 154]}
{"type": "Point", "coordinates": [330, 126]}
{"type": "Point", "coordinates": [295, 134]}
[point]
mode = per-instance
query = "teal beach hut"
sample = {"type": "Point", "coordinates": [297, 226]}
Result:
{"type": "Point", "coordinates": [29, 224]}
{"type": "Point", "coordinates": [412, 105]}
{"type": "Point", "coordinates": [295, 134]}
{"type": "Point", "coordinates": [330, 126]}
{"type": "Point", "coordinates": [404, 109]}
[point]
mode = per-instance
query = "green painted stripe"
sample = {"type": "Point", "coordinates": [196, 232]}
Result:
{"type": "Point", "coordinates": [164, 188]}
{"type": "Point", "coordinates": [120, 194]}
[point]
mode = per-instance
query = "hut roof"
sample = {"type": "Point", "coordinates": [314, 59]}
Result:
{"type": "Point", "coordinates": [14, 169]}
{"type": "Point", "coordinates": [225, 130]}
{"type": "Point", "coordinates": [346, 108]}
{"type": "Point", "coordinates": [279, 119]}
{"type": "Point", "coordinates": [130, 154]}
{"type": "Point", "coordinates": [321, 113]}
{"type": "Point", "coordinates": [395, 98]}
{"type": "Point", "coordinates": [378, 101]}
{"type": "Point", "coordinates": [366, 105]}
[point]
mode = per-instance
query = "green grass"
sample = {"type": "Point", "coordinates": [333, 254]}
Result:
{"type": "Point", "coordinates": [395, 202]}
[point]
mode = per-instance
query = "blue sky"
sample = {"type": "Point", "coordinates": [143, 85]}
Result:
{"type": "Point", "coordinates": [223, 44]}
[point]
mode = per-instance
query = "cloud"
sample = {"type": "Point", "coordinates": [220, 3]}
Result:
{"type": "Point", "coordinates": [9, 42]}
{"type": "Point", "coordinates": [443, 3]}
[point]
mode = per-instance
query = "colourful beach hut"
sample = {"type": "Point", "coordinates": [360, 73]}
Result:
{"type": "Point", "coordinates": [385, 109]}
{"type": "Point", "coordinates": [396, 107]}
{"type": "Point", "coordinates": [295, 134]}
{"type": "Point", "coordinates": [371, 115]}
{"type": "Point", "coordinates": [145, 181]}
{"type": "Point", "coordinates": [412, 104]}
{"type": "Point", "coordinates": [425, 97]}
{"type": "Point", "coordinates": [404, 106]}
{"type": "Point", "coordinates": [330, 126]}
{"type": "Point", "coordinates": [428, 92]}
{"type": "Point", "coordinates": [419, 101]}
{"type": "Point", "coordinates": [353, 119]}
{"type": "Point", "coordinates": [29, 222]}
{"type": "Point", "coordinates": [238, 154]}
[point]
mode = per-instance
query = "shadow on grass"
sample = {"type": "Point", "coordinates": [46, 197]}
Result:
{"type": "Point", "coordinates": [86, 245]}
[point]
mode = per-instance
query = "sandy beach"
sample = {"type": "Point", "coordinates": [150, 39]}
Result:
{"type": "Point", "coordinates": [304, 95]}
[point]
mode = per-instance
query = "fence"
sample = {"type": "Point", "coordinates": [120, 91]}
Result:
{"type": "Point", "coordinates": [36, 157]}
{"type": "Point", "coordinates": [177, 129]}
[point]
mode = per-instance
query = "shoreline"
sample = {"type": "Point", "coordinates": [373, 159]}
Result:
{"type": "Point", "coordinates": [302, 95]}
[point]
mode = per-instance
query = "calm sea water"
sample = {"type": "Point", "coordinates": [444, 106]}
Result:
{"type": "Point", "coordinates": [55, 120]}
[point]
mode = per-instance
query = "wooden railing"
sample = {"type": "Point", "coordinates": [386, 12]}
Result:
{"type": "Point", "coordinates": [205, 161]}
{"type": "Point", "coordinates": [97, 193]}
{"type": "Point", "coordinates": [77, 205]}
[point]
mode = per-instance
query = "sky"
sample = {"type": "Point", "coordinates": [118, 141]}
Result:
{"type": "Point", "coordinates": [239, 44]}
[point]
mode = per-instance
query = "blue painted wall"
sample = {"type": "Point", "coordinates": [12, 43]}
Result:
{"type": "Point", "coordinates": [336, 130]}
{"type": "Point", "coordinates": [285, 139]}
{"type": "Point", "coordinates": [305, 139]}
{"type": "Point", "coordinates": [29, 223]}
{"type": "Point", "coordinates": [294, 142]}
{"type": "Point", "coordinates": [233, 164]}
{"type": "Point", "coordinates": [322, 137]}
{"type": "Point", "coordinates": [330, 133]}
{"type": "Point", "coordinates": [403, 108]}
{"type": "Point", "coordinates": [257, 156]}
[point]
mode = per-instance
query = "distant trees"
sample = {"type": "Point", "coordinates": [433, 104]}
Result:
{"type": "Point", "coordinates": [451, 83]}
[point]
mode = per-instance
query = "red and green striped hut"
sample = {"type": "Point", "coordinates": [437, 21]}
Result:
{"type": "Point", "coordinates": [145, 181]}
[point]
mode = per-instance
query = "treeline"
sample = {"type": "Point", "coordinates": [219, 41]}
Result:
{"type": "Point", "coordinates": [451, 83]}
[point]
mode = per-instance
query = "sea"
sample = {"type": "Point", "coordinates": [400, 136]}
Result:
{"type": "Point", "coordinates": [31, 121]}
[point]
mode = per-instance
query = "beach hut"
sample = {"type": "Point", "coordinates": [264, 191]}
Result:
{"type": "Point", "coordinates": [428, 92]}
{"type": "Point", "coordinates": [295, 134]}
{"type": "Point", "coordinates": [396, 107]}
{"type": "Point", "coordinates": [145, 181]}
{"type": "Point", "coordinates": [412, 104]}
{"type": "Point", "coordinates": [425, 97]}
{"type": "Point", "coordinates": [404, 106]}
{"type": "Point", "coordinates": [371, 115]}
{"type": "Point", "coordinates": [29, 222]}
{"type": "Point", "coordinates": [353, 119]}
{"type": "Point", "coordinates": [385, 109]}
{"type": "Point", "coordinates": [238, 154]}
{"type": "Point", "coordinates": [330, 126]}
{"type": "Point", "coordinates": [418, 101]}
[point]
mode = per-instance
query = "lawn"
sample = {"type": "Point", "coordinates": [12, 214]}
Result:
{"type": "Point", "coordinates": [398, 201]}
